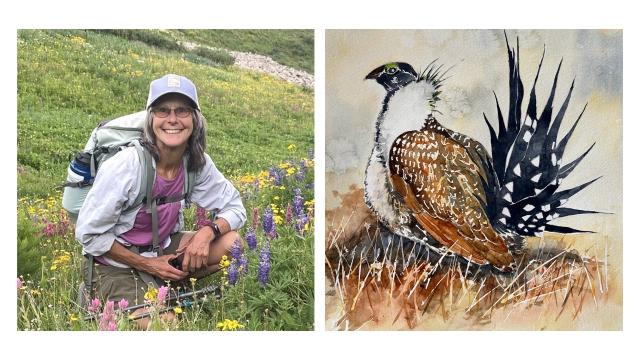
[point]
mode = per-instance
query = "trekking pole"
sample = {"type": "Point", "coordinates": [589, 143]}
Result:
{"type": "Point", "coordinates": [209, 289]}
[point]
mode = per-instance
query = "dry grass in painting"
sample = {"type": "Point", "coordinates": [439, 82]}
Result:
{"type": "Point", "coordinates": [379, 282]}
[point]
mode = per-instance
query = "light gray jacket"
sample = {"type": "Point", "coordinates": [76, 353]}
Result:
{"type": "Point", "coordinates": [101, 219]}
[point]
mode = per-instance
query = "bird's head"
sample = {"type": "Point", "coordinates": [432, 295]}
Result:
{"type": "Point", "coordinates": [393, 76]}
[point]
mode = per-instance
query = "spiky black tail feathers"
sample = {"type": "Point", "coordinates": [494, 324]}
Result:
{"type": "Point", "coordinates": [527, 158]}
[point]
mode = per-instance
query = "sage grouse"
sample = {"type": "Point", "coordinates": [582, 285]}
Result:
{"type": "Point", "coordinates": [442, 189]}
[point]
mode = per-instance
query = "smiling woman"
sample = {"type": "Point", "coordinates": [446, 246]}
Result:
{"type": "Point", "coordinates": [125, 242]}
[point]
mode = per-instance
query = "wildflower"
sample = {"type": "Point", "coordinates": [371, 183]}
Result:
{"type": "Point", "coordinates": [94, 306]}
{"type": "Point", "coordinates": [265, 263]}
{"type": "Point", "coordinates": [229, 325]}
{"type": "Point", "coordinates": [49, 230]}
{"type": "Point", "coordinates": [243, 264]}
{"type": "Point", "coordinates": [300, 175]}
{"type": "Point", "coordinates": [288, 215]}
{"type": "Point", "coordinates": [267, 221]}
{"type": "Point", "coordinates": [177, 310]}
{"type": "Point", "coordinates": [193, 280]}
{"type": "Point", "coordinates": [201, 218]}
{"type": "Point", "coordinates": [277, 175]}
{"type": "Point", "coordinates": [108, 318]}
{"type": "Point", "coordinates": [291, 147]}
{"type": "Point", "coordinates": [256, 185]}
{"type": "Point", "coordinates": [252, 241]}
{"type": "Point", "coordinates": [123, 304]}
{"type": "Point", "coordinates": [151, 294]}
{"type": "Point", "coordinates": [236, 249]}
{"type": "Point", "coordinates": [255, 218]}
{"type": "Point", "coordinates": [301, 224]}
{"type": "Point", "coordinates": [20, 283]}
{"type": "Point", "coordinates": [310, 153]}
{"type": "Point", "coordinates": [232, 272]}
{"type": "Point", "coordinates": [224, 263]}
{"type": "Point", "coordinates": [73, 318]}
{"type": "Point", "coordinates": [162, 294]}
{"type": "Point", "coordinates": [298, 202]}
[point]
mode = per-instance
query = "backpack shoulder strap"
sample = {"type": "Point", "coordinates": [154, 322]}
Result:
{"type": "Point", "coordinates": [189, 180]}
{"type": "Point", "coordinates": [146, 175]}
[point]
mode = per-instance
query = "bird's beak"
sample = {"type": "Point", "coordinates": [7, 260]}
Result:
{"type": "Point", "coordinates": [374, 74]}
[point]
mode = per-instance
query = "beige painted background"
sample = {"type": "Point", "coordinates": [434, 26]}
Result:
{"type": "Point", "coordinates": [592, 57]}
{"type": "Point", "coordinates": [479, 57]}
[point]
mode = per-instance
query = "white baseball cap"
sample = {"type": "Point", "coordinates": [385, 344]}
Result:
{"type": "Point", "coordinates": [172, 83]}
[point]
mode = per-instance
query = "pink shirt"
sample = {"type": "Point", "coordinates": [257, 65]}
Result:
{"type": "Point", "coordinates": [141, 233]}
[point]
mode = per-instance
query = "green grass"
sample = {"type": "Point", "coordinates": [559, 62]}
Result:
{"type": "Point", "coordinates": [69, 81]}
{"type": "Point", "coordinates": [293, 48]}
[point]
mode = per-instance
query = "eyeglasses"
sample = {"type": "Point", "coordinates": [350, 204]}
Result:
{"type": "Point", "coordinates": [181, 112]}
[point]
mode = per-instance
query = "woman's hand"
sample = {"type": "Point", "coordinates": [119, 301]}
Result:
{"type": "Point", "coordinates": [196, 254]}
{"type": "Point", "coordinates": [160, 267]}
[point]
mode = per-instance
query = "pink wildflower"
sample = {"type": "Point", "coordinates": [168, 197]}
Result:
{"type": "Point", "coordinates": [20, 283]}
{"type": "Point", "coordinates": [94, 306]}
{"type": "Point", "coordinates": [122, 304]}
{"type": "Point", "coordinates": [162, 294]}
{"type": "Point", "coordinates": [108, 318]}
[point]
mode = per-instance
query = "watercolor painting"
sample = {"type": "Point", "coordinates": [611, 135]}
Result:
{"type": "Point", "coordinates": [474, 180]}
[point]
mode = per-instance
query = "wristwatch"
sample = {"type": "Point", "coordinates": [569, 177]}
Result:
{"type": "Point", "coordinates": [216, 229]}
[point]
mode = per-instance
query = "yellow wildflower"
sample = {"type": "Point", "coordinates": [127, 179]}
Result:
{"type": "Point", "coordinates": [177, 310]}
{"type": "Point", "coordinates": [276, 198]}
{"type": "Point", "coordinates": [291, 171]}
{"type": "Point", "coordinates": [73, 318]}
{"type": "Point", "coordinates": [291, 147]}
{"type": "Point", "coordinates": [277, 219]}
{"type": "Point", "coordinates": [224, 262]}
{"type": "Point", "coordinates": [229, 325]}
{"type": "Point", "coordinates": [151, 294]}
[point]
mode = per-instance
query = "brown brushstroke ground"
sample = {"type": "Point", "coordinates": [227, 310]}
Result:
{"type": "Point", "coordinates": [564, 282]}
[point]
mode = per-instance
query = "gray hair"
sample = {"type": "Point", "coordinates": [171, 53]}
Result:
{"type": "Point", "coordinates": [196, 144]}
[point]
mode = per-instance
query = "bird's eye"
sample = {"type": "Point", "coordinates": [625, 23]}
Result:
{"type": "Point", "coordinates": [392, 70]}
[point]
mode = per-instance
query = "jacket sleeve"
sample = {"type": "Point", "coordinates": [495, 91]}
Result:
{"type": "Point", "coordinates": [115, 188]}
{"type": "Point", "coordinates": [214, 192]}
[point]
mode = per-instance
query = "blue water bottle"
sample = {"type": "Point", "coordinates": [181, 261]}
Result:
{"type": "Point", "coordinates": [79, 181]}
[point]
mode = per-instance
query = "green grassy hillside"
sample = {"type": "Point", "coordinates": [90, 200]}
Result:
{"type": "Point", "coordinates": [70, 81]}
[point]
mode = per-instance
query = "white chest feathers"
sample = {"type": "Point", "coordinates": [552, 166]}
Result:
{"type": "Point", "coordinates": [407, 110]}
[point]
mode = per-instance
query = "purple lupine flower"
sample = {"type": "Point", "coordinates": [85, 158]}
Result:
{"type": "Point", "coordinates": [301, 222]}
{"type": "Point", "coordinates": [252, 240]}
{"type": "Point", "coordinates": [298, 202]}
{"type": "Point", "coordinates": [94, 306]}
{"type": "Point", "coordinates": [108, 318]}
{"type": "Point", "coordinates": [122, 304]}
{"type": "Point", "coordinates": [243, 264]}
{"type": "Point", "coordinates": [277, 175]}
{"type": "Point", "coordinates": [256, 185]}
{"type": "Point", "coordinates": [265, 264]}
{"type": "Point", "coordinates": [310, 153]}
{"type": "Point", "coordinates": [288, 214]}
{"type": "Point", "coordinates": [236, 249]}
{"type": "Point", "coordinates": [256, 218]}
{"type": "Point", "coordinates": [232, 272]}
{"type": "Point", "coordinates": [268, 224]}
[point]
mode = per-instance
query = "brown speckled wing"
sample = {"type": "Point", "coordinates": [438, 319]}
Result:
{"type": "Point", "coordinates": [442, 185]}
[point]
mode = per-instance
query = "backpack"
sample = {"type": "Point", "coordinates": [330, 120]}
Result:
{"type": "Point", "coordinates": [107, 139]}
